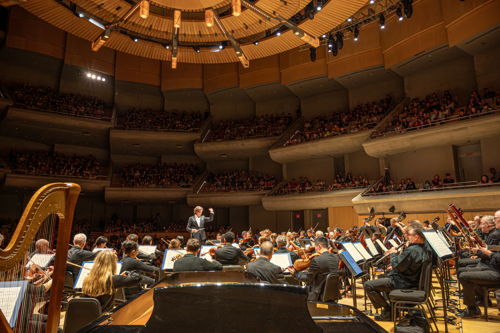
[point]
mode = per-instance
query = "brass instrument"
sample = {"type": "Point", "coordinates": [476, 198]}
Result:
{"type": "Point", "coordinates": [55, 204]}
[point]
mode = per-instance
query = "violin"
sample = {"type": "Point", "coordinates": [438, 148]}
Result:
{"type": "Point", "coordinates": [37, 276]}
{"type": "Point", "coordinates": [303, 264]}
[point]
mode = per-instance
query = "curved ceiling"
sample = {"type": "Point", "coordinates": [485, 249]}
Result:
{"type": "Point", "coordinates": [158, 27]}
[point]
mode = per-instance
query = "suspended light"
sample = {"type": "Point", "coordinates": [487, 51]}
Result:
{"type": "Point", "coordinates": [209, 18]}
{"type": "Point", "coordinates": [381, 19]}
{"type": "Point", "coordinates": [89, 75]}
{"type": "Point", "coordinates": [144, 9]}
{"type": "Point", "coordinates": [177, 18]}
{"type": "Point", "coordinates": [340, 40]}
{"type": "Point", "coordinates": [256, 43]}
{"type": "Point", "coordinates": [372, 2]}
{"type": "Point", "coordinates": [278, 33]}
{"type": "Point", "coordinates": [99, 41]}
{"type": "Point", "coordinates": [236, 6]}
{"type": "Point", "coordinates": [349, 19]}
{"type": "Point", "coordinates": [356, 33]}
{"type": "Point", "coordinates": [330, 41]}
{"type": "Point", "coordinates": [399, 13]}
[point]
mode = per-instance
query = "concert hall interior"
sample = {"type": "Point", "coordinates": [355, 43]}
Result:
{"type": "Point", "coordinates": [249, 166]}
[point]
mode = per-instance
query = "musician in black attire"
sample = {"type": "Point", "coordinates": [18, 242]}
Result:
{"type": "Point", "coordinates": [405, 272]}
{"type": "Point", "coordinates": [486, 272]}
{"type": "Point", "coordinates": [196, 224]}
{"type": "Point", "coordinates": [263, 268]}
{"type": "Point", "coordinates": [130, 263]}
{"type": "Point", "coordinates": [77, 254]}
{"type": "Point", "coordinates": [321, 266]}
{"type": "Point", "coordinates": [191, 262]}
{"type": "Point", "coordinates": [490, 235]}
{"type": "Point", "coordinates": [247, 241]}
{"type": "Point", "coordinates": [394, 229]}
{"type": "Point", "coordinates": [228, 254]}
{"type": "Point", "coordinates": [281, 245]}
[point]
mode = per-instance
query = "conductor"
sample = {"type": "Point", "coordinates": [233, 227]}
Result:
{"type": "Point", "coordinates": [196, 223]}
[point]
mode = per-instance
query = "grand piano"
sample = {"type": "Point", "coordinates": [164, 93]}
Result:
{"type": "Point", "coordinates": [228, 302]}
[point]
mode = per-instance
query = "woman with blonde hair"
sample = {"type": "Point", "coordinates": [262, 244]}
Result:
{"type": "Point", "coordinates": [102, 281]}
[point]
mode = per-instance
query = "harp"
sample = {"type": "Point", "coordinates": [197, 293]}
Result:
{"type": "Point", "coordinates": [48, 215]}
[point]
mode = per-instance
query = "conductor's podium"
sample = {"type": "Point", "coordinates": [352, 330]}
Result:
{"type": "Point", "coordinates": [228, 302]}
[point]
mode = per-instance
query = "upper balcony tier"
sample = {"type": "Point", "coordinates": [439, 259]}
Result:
{"type": "Point", "coordinates": [334, 146]}
{"type": "Point", "coordinates": [454, 131]}
{"type": "Point", "coordinates": [146, 194]}
{"type": "Point", "coordinates": [52, 128]}
{"type": "Point", "coordinates": [480, 197]}
{"type": "Point", "coordinates": [33, 182]}
{"type": "Point", "coordinates": [233, 149]}
{"type": "Point", "coordinates": [316, 200]}
{"type": "Point", "coordinates": [226, 199]}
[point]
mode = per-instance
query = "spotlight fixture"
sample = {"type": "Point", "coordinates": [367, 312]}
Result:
{"type": "Point", "coordinates": [81, 15]}
{"type": "Point", "coordinates": [356, 33]}
{"type": "Point", "coordinates": [103, 79]}
{"type": "Point", "coordinates": [209, 18]}
{"type": "Point", "coordinates": [381, 19]}
{"type": "Point", "coordinates": [372, 2]}
{"type": "Point", "coordinates": [135, 39]}
{"type": "Point", "coordinates": [89, 75]}
{"type": "Point", "coordinates": [177, 18]}
{"type": "Point", "coordinates": [399, 13]}
{"type": "Point", "coordinates": [196, 49]}
{"type": "Point", "coordinates": [278, 33]}
{"type": "Point", "coordinates": [408, 7]}
{"type": "Point", "coordinates": [340, 40]}
{"type": "Point", "coordinates": [349, 19]}
{"type": "Point", "coordinates": [256, 43]}
{"type": "Point", "coordinates": [144, 9]}
{"type": "Point", "coordinates": [167, 46]}
{"type": "Point", "coordinates": [330, 41]}
{"type": "Point", "coordinates": [319, 6]}
{"type": "Point", "coordinates": [221, 47]}
{"type": "Point", "coordinates": [99, 41]}
{"type": "Point", "coordinates": [93, 76]}
{"type": "Point", "coordinates": [236, 7]}
{"type": "Point", "coordinates": [323, 36]}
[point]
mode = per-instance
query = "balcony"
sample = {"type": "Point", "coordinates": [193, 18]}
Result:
{"type": "Point", "coordinates": [226, 199]}
{"type": "Point", "coordinates": [34, 182]}
{"type": "Point", "coordinates": [52, 128]}
{"type": "Point", "coordinates": [316, 200]}
{"type": "Point", "coordinates": [233, 149]}
{"type": "Point", "coordinates": [471, 195]}
{"type": "Point", "coordinates": [146, 194]}
{"type": "Point", "coordinates": [453, 131]}
{"type": "Point", "coordinates": [333, 146]}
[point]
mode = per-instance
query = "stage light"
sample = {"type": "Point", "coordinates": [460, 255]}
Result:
{"type": "Point", "coordinates": [399, 13]}
{"type": "Point", "coordinates": [221, 47]}
{"type": "Point", "coordinates": [89, 75]}
{"type": "Point", "coordinates": [349, 19]}
{"type": "Point", "coordinates": [330, 41]}
{"type": "Point", "coordinates": [381, 19]}
{"type": "Point", "coordinates": [98, 78]}
{"type": "Point", "coordinates": [99, 41]}
{"type": "Point", "coordinates": [135, 39]}
{"type": "Point", "coordinates": [209, 18]}
{"type": "Point", "coordinates": [356, 33]}
{"type": "Point", "coordinates": [278, 33]}
{"type": "Point", "coordinates": [177, 18]}
{"type": "Point", "coordinates": [81, 15]}
{"type": "Point", "coordinates": [103, 79]}
{"type": "Point", "coordinates": [167, 46]}
{"type": "Point", "coordinates": [236, 7]}
{"type": "Point", "coordinates": [323, 36]}
{"type": "Point", "coordinates": [144, 9]}
{"type": "Point", "coordinates": [93, 76]}
{"type": "Point", "coordinates": [340, 40]}
{"type": "Point", "coordinates": [196, 49]}
{"type": "Point", "coordinates": [97, 23]}
{"type": "Point", "coordinates": [372, 2]}
{"type": "Point", "coordinates": [256, 43]}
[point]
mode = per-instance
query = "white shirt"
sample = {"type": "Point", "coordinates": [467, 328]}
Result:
{"type": "Point", "coordinates": [198, 219]}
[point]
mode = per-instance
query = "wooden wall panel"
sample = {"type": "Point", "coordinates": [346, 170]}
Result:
{"type": "Point", "coordinates": [343, 217]}
{"type": "Point", "coordinates": [79, 53]}
{"type": "Point", "coordinates": [27, 32]}
{"type": "Point", "coordinates": [481, 18]}
{"type": "Point", "coordinates": [185, 76]}
{"type": "Point", "coordinates": [296, 65]}
{"type": "Point", "coordinates": [453, 10]}
{"type": "Point", "coordinates": [423, 32]}
{"type": "Point", "coordinates": [261, 71]}
{"type": "Point", "coordinates": [357, 55]}
{"type": "Point", "coordinates": [220, 76]}
{"type": "Point", "coordinates": [131, 68]}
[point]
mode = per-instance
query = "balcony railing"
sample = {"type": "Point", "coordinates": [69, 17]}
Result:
{"type": "Point", "coordinates": [435, 123]}
{"type": "Point", "coordinates": [105, 117]}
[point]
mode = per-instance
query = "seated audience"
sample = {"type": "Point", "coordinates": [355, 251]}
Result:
{"type": "Point", "coordinates": [160, 120]}
{"type": "Point", "coordinates": [54, 164]}
{"type": "Point", "coordinates": [238, 180]}
{"type": "Point", "coordinates": [262, 126]}
{"type": "Point", "coordinates": [48, 99]}
{"type": "Point", "coordinates": [159, 175]}
{"type": "Point", "coordinates": [362, 117]}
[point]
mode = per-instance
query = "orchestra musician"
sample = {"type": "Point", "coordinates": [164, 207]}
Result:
{"type": "Point", "coordinates": [131, 263]}
{"type": "Point", "coordinates": [103, 280]}
{"type": "Point", "coordinates": [191, 262]}
{"type": "Point", "coordinates": [263, 268]}
{"type": "Point", "coordinates": [484, 273]}
{"type": "Point", "coordinates": [229, 254]}
{"type": "Point", "coordinates": [247, 240]}
{"type": "Point", "coordinates": [77, 254]}
{"type": "Point", "coordinates": [404, 271]}
{"type": "Point", "coordinates": [281, 245]}
{"type": "Point", "coordinates": [491, 236]}
{"type": "Point", "coordinates": [196, 224]}
{"type": "Point", "coordinates": [321, 265]}
{"type": "Point", "coordinates": [101, 242]}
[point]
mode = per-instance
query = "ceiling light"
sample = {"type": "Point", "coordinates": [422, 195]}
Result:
{"type": "Point", "coordinates": [98, 78]}
{"type": "Point", "coordinates": [278, 33]}
{"type": "Point", "coordinates": [323, 36]}
{"type": "Point", "coordinates": [93, 76]}
{"type": "Point", "coordinates": [318, 8]}
{"type": "Point", "coordinates": [144, 9]}
{"type": "Point", "coordinates": [81, 15]}
{"type": "Point", "coordinates": [381, 19]}
{"type": "Point", "coordinates": [372, 2]}
{"type": "Point", "coordinates": [209, 18]}
{"type": "Point", "coordinates": [167, 46]}
{"type": "Point", "coordinates": [399, 13]}
{"type": "Point", "coordinates": [103, 79]}
{"type": "Point", "coordinates": [135, 39]}
{"type": "Point", "coordinates": [236, 7]}
{"type": "Point", "coordinates": [221, 47]}
{"type": "Point", "coordinates": [97, 23]}
{"type": "Point", "coordinates": [349, 19]}
{"type": "Point", "coordinates": [256, 43]}
{"type": "Point", "coordinates": [89, 75]}
{"type": "Point", "coordinates": [356, 33]}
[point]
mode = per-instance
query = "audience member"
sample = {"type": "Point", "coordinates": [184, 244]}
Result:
{"type": "Point", "coordinates": [160, 120]}
{"type": "Point", "coordinates": [238, 180]}
{"type": "Point", "coordinates": [159, 175]}
{"type": "Point", "coordinates": [304, 185]}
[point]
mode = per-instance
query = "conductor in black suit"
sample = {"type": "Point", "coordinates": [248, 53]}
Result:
{"type": "Point", "coordinates": [196, 224]}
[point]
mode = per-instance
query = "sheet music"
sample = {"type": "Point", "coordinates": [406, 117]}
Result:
{"type": "Point", "coordinates": [41, 260]}
{"type": "Point", "coordinates": [236, 245]}
{"type": "Point", "coordinates": [147, 249]}
{"type": "Point", "coordinates": [168, 263]}
{"type": "Point", "coordinates": [256, 250]}
{"type": "Point", "coordinates": [393, 243]}
{"type": "Point", "coordinates": [437, 244]}
{"type": "Point", "coordinates": [361, 249]}
{"type": "Point", "coordinates": [12, 296]}
{"type": "Point", "coordinates": [97, 249]}
{"type": "Point", "coordinates": [371, 247]}
{"type": "Point", "coordinates": [204, 252]}
{"type": "Point", "coordinates": [353, 252]}
{"type": "Point", "coordinates": [85, 272]}
{"type": "Point", "coordinates": [440, 234]}
{"type": "Point", "coordinates": [282, 259]}
{"type": "Point", "coordinates": [382, 246]}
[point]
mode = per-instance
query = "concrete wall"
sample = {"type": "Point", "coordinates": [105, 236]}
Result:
{"type": "Point", "coordinates": [231, 103]}
{"type": "Point", "coordinates": [186, 100]}
{"type": "Point", "coordinates": [375, 91]}
{"type": "Point", "coordinates": [320, 168]}
{"type": "Point", "coordinates": [287, 105]}
{"type": "Point", "coordinates": [360, 164]}
{"type": "Point", "coordinates": [130, 95]}
{"type": "Point", "coordinates": [487, 69]}
{"type": "Point", "coordinates": [422, 164]}
{"type": "Point", "coordinates": [456, 75]}
{"type": "Point", "coordinates": [490, 154]}
{"type": "Point", "coordinates": [332, 101]}
{"type": "Point", "coordinates": [9, 143]}
{"type": "Point", "coordinates": [265, 165]}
